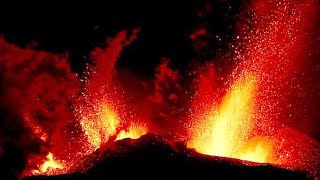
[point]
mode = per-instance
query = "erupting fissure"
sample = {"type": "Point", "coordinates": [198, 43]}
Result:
{"type": "Point", "coordinates": [241, 118]}
{"type": "Point", "coordinates": [101, 105]}
{"type": "Point", "coordinates": [227, 127]}
{"type": "Point", "coordinates": [246, 123]}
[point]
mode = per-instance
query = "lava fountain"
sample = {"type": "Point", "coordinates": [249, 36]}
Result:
{"type": "Point", "coordinates": [246, 122]}
{"type": "Point", "coordinates": [227, 126]}
{"type": "Point", "coordinates": [240, 112]}
{"type": "Point", "coordinates": [101, 109]}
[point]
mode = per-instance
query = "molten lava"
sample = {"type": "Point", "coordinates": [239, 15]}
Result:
{"type": "Point", "coordinates": [99, 127]}
{"type": "Point", "coordinates": [225, 130]}
{"type": "Point", "coordinates": [246, 123]}
{"type": "Point", "coordinates": [241, 112]}
{"type": "Point", "coordinates": [134, 132]}
{"type": "Point", "coordinates": [258, 149]}
{"type": "Point", "coordinates": [50, 166]}
{"type": "Point", "coordinates": [101, 111]}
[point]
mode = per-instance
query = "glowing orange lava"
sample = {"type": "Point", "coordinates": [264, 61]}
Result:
{"type": "Point", "coordinates": [134, 131]}
{"type": "Point", "coordinates": [258, 149]}
{"type": "Point", "coordinates": [50, 166]}
{"type": "Point", "coordinates": [224, 131]}
{"type": "Point", "coordinates": [102, 106]}
{"type": "Point", "coordinates": [100, 126]}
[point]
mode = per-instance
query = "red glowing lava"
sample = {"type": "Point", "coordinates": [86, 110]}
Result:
{"type": "Point", "coordinates": [240, 114]}
{"type": "Point", "coordinates": [223, 130]}
{"type": "Point", "coordinates": [50, 166]}
{"type": "Point", "coordinates": [100, 109]}
{"type": "Point", "coordinates": [245, 124]}
{"type": "Point", "coordinates": [134, 131]}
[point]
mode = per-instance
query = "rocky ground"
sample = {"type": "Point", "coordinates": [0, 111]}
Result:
{"type": "Point", "coordinates": [151, 157]}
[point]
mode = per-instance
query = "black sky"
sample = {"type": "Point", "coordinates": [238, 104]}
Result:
{"type": "Point", "coordinates": [79, 27]}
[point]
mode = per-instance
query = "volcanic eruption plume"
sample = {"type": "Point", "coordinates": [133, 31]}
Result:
{"type": "Point", "coordinates": [246, 122]}
{"type": "Point", "coordinates": [54, 121]}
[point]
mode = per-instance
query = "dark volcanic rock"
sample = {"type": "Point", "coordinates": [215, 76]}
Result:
{"type": "Point", "coordinates": [150, 157]}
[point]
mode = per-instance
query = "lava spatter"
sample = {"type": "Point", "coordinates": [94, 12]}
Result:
{"type": "Point", "coordinates": [245, 122]}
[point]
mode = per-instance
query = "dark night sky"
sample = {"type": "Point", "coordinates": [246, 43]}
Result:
{"type": "Point", "coordinates": [79, 27]}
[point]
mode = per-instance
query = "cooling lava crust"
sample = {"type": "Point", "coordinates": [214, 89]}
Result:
{"type": "Point", "coordinates": [151, 157]}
